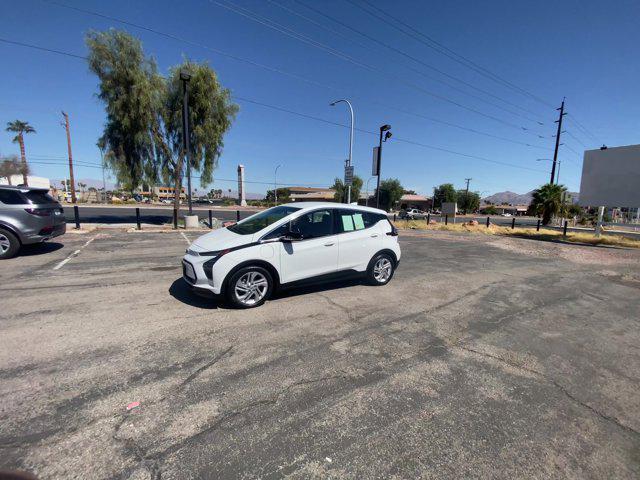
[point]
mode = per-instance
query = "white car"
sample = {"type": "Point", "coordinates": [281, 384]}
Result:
{"type": "Point", "coordinates": [292, 244]}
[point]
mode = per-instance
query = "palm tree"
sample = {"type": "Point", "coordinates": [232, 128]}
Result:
{"type": "Point", "coordinates": [547, 201]}
{"type": "Point", "coordinates": [20, 128]}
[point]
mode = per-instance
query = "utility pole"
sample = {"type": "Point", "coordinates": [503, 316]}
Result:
{"type": "Point", "coordinates": [555, 153]}
{"type": "Point", "coordinates": [71, 179]}
{"type": "Point", "coordinates": [466, 194]}
{"type": "Point", "coordinates": [348, 162]}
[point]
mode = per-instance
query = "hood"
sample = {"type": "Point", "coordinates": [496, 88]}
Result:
{"type": "Point", "coordinates": [219, 240]}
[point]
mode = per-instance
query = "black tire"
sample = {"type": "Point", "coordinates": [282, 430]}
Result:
{"type": "Point", "coordinates": [373, 276]}
{"type": "Point", "coordinates": [13, 244]}
{"type": "Point", "coordinates": [243, 276]}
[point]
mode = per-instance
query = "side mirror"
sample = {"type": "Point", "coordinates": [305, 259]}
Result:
{"type": "Point", "coordinates": [293, 234]}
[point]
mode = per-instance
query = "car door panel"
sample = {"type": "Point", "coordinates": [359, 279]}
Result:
{"type": "Point", "coordinates": [316, 253]}
{"type": "Point", "coordinates": [358, 242]}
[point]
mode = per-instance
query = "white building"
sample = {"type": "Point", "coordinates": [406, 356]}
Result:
{"type": "Point", "coordinates": [39, 182]}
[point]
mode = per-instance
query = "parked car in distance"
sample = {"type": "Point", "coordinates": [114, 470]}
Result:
{"type": "Point", "coordinates": [289, 245]}
{"type": "Point", "coordinates": [413, 214]}
{"type": "Point", "coordinates": [505, 215]}
{"type": "Point", "coordinates": [27, 215]}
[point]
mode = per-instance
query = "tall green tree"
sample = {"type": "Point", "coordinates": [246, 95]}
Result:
{"type": "Point", "coordinates": [341, 189]}
{"type": "Point", "coordinates": [284, 195]}
{"type": "Point", "coordinates": [445, 193]}
{"type": "Point", "coordinates": [391, 192]}
{"type": "Point", "coordinates": [468, 201]}
{"type": "Point", "coordinates": [211, 113]}
{"type": "Point", "coordinates": [132, 91]}
{"type": "Point", "coordinates": [142, 138]}
{"type": "Point", "coordinates": [547, 201]}
{"type": "Point", "coordinates": [21, 129]}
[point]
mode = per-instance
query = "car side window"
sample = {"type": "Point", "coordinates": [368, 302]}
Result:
{"type": "Point", "coordinates": [278, 232]}
{"type": "Point", "coordinates": [315, 224]}
{"type": "Point", "coordinates": [353, 220]}
{"type": "Point", "coordinates": [10, 197]}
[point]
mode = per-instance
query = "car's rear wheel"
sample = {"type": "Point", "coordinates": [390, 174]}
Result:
{"type": "Point", "coordinates": [249, 287]}
{"type": "Point", "coordinates": [9, 244]}
{"type": "Point", "coordinates": [381, 268]}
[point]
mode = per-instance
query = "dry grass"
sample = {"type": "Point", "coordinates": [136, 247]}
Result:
{"type": "Point", "coordinates": [543, 234]}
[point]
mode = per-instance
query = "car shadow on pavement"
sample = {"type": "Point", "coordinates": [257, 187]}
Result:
{"type": "Point", "coordinates": [40, 248]}
{"type": "Point", "coordinates": [315, 288]}
{"type": "Point", "coordinates": [182, 292]}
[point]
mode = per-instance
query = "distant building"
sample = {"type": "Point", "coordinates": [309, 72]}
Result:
{"type": "Point", "coordinates": [515, 210]}
{"type": "Point", "coordinates": [420, 202]}
{"type": "Point", "coordinates": [161, 192]}
{"type": "Point", "coordinates": [311, 194]}
{"type": "Point", "coordinates": [39, 182]}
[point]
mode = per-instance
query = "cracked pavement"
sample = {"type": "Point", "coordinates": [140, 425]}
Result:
{"type": "Point", "coordinates": [483, 358]}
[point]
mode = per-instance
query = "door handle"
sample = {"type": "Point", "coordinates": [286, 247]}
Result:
{"type": "Point", "coordinates": [328, 244]}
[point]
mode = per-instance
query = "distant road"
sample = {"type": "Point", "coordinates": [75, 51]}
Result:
{"type": "Point", "coordinates": [154, 215]}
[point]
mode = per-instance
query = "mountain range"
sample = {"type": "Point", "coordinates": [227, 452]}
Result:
{"type": "Point", "coordinates": [512, 198]}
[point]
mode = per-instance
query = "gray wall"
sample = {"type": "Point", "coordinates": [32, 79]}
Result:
{"type": "Point", "coordinates": [611, 177]}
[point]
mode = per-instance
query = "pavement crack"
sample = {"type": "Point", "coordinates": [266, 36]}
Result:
{"type": "Point", "coordinates": [341, 307]}
{"type": "Point", "coordinates": [202, 368]}
{"type": "Point", "coordinates": [608, 418]}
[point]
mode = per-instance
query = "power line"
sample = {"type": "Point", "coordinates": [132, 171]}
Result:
{"type": "Point", "coordinates": [575, 138]}
{"type": "Point", "coordinates": [286, 73]}
{"type": "Point", "coordinates": [345, 126]}
{"type": "Point", "coordinates": [440, 48]}
{"type": "Point", "coordinates": [396, 139]}
{"type": "Point", "coordinates": [307, 40]}
{"type": "Point", "coordinates": [582, 127]}
{"type": "Point", "coordinates": [393, 49]}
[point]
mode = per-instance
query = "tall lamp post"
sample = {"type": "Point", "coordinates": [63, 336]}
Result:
{"type": "Point", "coordinates": [387, 136]}
{"type": "Point", "coordinates": [185, 77]}
{"type": "Point", "coordinates": [350, 140]}
{"type": "Point", "coordinates": [275, 185]}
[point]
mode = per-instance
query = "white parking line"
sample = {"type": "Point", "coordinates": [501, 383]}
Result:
{"type": "Point", "coordinates": [74, 254]}
{"type": "Point", "coordinates": [185, 238]}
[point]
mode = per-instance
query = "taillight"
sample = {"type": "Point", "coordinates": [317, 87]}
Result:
{"type": "Point", "coordinates": [40, 212]}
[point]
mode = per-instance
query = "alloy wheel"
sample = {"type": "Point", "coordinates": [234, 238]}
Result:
{"type": "Point", "coordinates": [251, 288]}
{"type": "Point", "coordinates": [382, 270]}
{"type": "Point", "coordinates": [5, 244]}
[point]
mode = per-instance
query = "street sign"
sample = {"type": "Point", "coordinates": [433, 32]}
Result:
{"type": "Point", "coordinates": [348, 175]}
{"type": "Point", "coordinates": [375, 166]}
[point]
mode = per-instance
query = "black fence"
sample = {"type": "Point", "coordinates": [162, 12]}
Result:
{"type": "Point", "coordinates": [138, 216]}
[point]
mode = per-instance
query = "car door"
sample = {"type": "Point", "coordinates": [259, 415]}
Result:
{"type": "Point", "coordinates": [359, 238]}
{"type": "Point", "coordinates": [316, 253]}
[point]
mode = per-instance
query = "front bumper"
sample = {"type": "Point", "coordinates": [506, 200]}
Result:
{"type": "Point", "coordinates": [193, 274]}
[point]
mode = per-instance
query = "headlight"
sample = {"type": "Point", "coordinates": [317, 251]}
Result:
{"type": "Point", "coordinates": [211, 253]}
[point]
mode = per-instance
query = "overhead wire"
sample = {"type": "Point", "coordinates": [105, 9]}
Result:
{"type": "Point", "coordinates": [442, 149]}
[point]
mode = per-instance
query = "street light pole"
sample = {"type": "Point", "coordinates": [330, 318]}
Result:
{"type": "Point", "coordinates": [275, 185]}
{"type": "Point", "coordinates": [185, 77]}
{"type": "Point", "coordinates": [383, 128]}
{"type": "Point", "coordinates": [350, 141]}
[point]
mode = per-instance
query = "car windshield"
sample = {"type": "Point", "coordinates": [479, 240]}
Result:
{"type": "Point", "coordinates": [257, 222]}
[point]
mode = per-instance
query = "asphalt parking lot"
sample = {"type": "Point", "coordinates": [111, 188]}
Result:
{"type": "Point", "coordinates": [484, 358]}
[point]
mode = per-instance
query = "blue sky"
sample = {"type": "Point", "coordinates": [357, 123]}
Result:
{"type": "Point", "coordinates": [584, 50]}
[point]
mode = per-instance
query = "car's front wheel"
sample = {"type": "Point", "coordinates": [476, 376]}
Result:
{"type": "Point", "coordinates": [249, 287]}
{"type": "Point", "coordinates": [381, 269]}
{"type": "Point", "coordinates": [9, 244]}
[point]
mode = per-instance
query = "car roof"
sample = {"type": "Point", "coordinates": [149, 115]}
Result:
{"type": "Point", "coordinates": [24, 189]}
{"type": "Point", "coordinates": [314, 205]}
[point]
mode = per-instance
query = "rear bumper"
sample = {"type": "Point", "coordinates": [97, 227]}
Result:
{"type": "Point", "coordinates": [58, 230]}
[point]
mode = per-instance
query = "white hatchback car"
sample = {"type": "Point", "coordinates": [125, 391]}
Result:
{"type": "Point", "coordinates": [295, 243]}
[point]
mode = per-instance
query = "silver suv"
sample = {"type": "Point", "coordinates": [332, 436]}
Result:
{"type": "Point", "coordinates": [27, 215]}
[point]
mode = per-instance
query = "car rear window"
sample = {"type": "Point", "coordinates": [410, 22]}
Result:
{"type": "Point", "coordinates": [11, 197]}
{"type": "Point", "coordinates": [39, 197]}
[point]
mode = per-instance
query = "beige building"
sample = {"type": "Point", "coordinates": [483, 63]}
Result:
{"type": "Point", "coordinates": [311, 194]}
